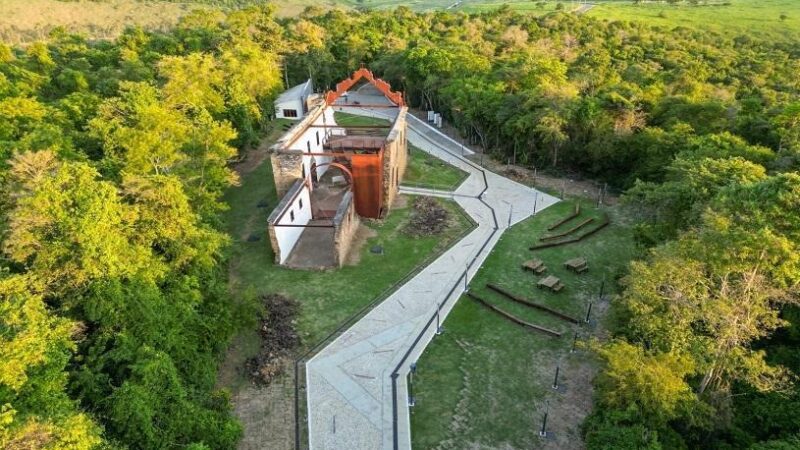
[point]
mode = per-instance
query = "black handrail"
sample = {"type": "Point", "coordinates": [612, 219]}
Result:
{"type": "Point", "coordinates": [347, 323]}
{"type": "Point", "coordinates": [385, 294]}
{"type": "Point", "coordinates": [395, 373]}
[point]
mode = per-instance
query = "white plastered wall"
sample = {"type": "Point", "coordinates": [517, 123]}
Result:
{"type": "Point", "coordinates": [307, 141]}
{"type": "Point", "coordinates": [296, 104]}
{"type": "Point", "coordinates": [287, 236]}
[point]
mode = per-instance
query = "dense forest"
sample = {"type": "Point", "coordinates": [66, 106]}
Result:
{"type": "Point", "coordinates": [113, 298]}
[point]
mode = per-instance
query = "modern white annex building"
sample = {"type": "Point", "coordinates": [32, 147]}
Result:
{"type": "Point", "coordinates": [293, 103]}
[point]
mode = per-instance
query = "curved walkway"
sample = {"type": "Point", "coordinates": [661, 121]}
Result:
{"type": "Point", "coordinates": [351, 390]}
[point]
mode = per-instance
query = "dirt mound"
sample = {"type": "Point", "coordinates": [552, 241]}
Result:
{"type": "Point", "coordinates": [278, 338]}
{"type": "Point", "coordinates": [429, 218]}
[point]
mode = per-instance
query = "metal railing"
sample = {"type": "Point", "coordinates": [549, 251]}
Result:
{"type": "Point", "coordinates": [300, 401]}
{"type": "Point", "coordinates": [463, 280]}
{"type": "Point", "coordinates": [300, 379]}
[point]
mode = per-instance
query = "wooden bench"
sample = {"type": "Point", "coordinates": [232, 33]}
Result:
{"type": "Point", "coordinates": [534, 265]}
{"type": "Point", "coordinates": [577, 265]}
{"type": "Point", "coordinates": [550, 282]}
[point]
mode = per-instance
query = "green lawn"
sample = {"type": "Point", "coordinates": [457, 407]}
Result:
{"type": "Point", "coordinates": [759, 19]}
{"type": "Point", "coordinates": [427, 171]}
{"type": "Point", "coordinates": [327, 298]}
{"type": "Point", "coordinates": [481, 384]}
{"type": "Point", "coordinates": [346, 119]}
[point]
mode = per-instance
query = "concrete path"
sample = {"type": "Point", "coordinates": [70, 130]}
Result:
{"type": "Point", "coordinates": [350, 388]}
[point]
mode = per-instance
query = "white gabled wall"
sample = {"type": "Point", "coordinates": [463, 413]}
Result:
{"type": "Point", "coordinates": [287, 236]}
{"type": "Point", "coordinates": [295, 104]}
{"type": "Point", "coordinates": [307, 141]}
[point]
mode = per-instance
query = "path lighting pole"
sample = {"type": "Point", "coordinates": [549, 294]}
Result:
{"type": "Point", "coordinates": [466, 270]}
{"type": "Point", "coordinates": [439, 329]}
{"type": "Point", "coordinates": [602, 287]}
{"type": "Point", "coordinates": [543, 430]}
{"type": "Point", "coordinates": [555, 380]}
{"type": "Point", "coordinates": [411, 400]}
{"type": "Point", "coordinates": [535, 201]}
{"type": "Point", "coordinates": [588, 312]}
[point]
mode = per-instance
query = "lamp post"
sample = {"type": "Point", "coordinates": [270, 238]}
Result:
{"type": "Point", "coordinates": [543, 430]}
{"type": "Point", "coordinates": [411, 400]}
{"type": "Point", "coordinates": [555, 380]}
{"type": "Point", "coordinates": [439, 329]}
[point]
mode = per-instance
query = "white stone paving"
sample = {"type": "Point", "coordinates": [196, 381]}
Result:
{"type": "Point", "coordinates": [349, 385]}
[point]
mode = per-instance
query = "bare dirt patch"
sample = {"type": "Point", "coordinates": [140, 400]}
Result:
{"type": "Point", "coordinates": [569, 408]}
{"type": "Point", "coordinates": [363, 233]}
{"type": "Point", "coordinates": [265, 413]}
{"type": "Point", "coordinates": [570, 186]}
{"type": "Point", "coordinates": [400, 202]}
{"type": "Point", "coordinates": [429, 218]}
{"type": "Point", "coordinates": [278, 339]}
{"type": "Point", "coordinates": [252, 158]}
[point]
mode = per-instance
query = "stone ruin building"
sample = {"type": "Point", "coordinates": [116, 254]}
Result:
{"type": "Point", "coordinates": [329, 175]}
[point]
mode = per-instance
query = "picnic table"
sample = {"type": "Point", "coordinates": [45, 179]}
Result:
{"type": "Point", "coordinates": [550, 282]}
{"type": "Point", "coordinates": [577, 265]}
{"type": "Point", "coordinates": [534, 265]}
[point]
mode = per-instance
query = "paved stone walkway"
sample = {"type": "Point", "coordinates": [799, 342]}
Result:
{"type": "Point", "coordinates": [349, 382]}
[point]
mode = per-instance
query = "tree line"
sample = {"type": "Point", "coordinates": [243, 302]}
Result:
{"type": "Point", "coordinates": [115, 156]}
{"type": "Point", "coordinates": [114, 303]}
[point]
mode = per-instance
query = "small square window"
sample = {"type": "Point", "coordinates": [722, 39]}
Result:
{"type": "Point", "coordinates": [289, 113]}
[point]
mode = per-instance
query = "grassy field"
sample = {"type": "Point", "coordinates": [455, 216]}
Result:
{"type": "Point", "coordinates": [759, 19]}
{"type": "Point", "coordinates": [349, 120]}
{"type": "Point", "coordinates": [484, 382]}
{"type": "Point", "coordinates": [24, 21]}
{"type": "Point", "coordinates": [427, 171]}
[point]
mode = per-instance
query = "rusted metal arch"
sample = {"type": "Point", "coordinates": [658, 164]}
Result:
{"type": "Point", "coordinates": [339, 166]}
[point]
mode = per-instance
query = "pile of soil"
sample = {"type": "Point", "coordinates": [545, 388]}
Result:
{"type": "Point", "coordinates": [429, 218]}
{"type": "Point", "coordinates": [278, 338]}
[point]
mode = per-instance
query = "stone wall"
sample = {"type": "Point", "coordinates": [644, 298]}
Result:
{"type": "Point", "coordinates": [305, 136]}
{"type": "Point", "coordinates": [395, 159]}
{"type": "Point", "coordinates": [346, 224]}
{"type": "Point", "coordinates": [286, 169]}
